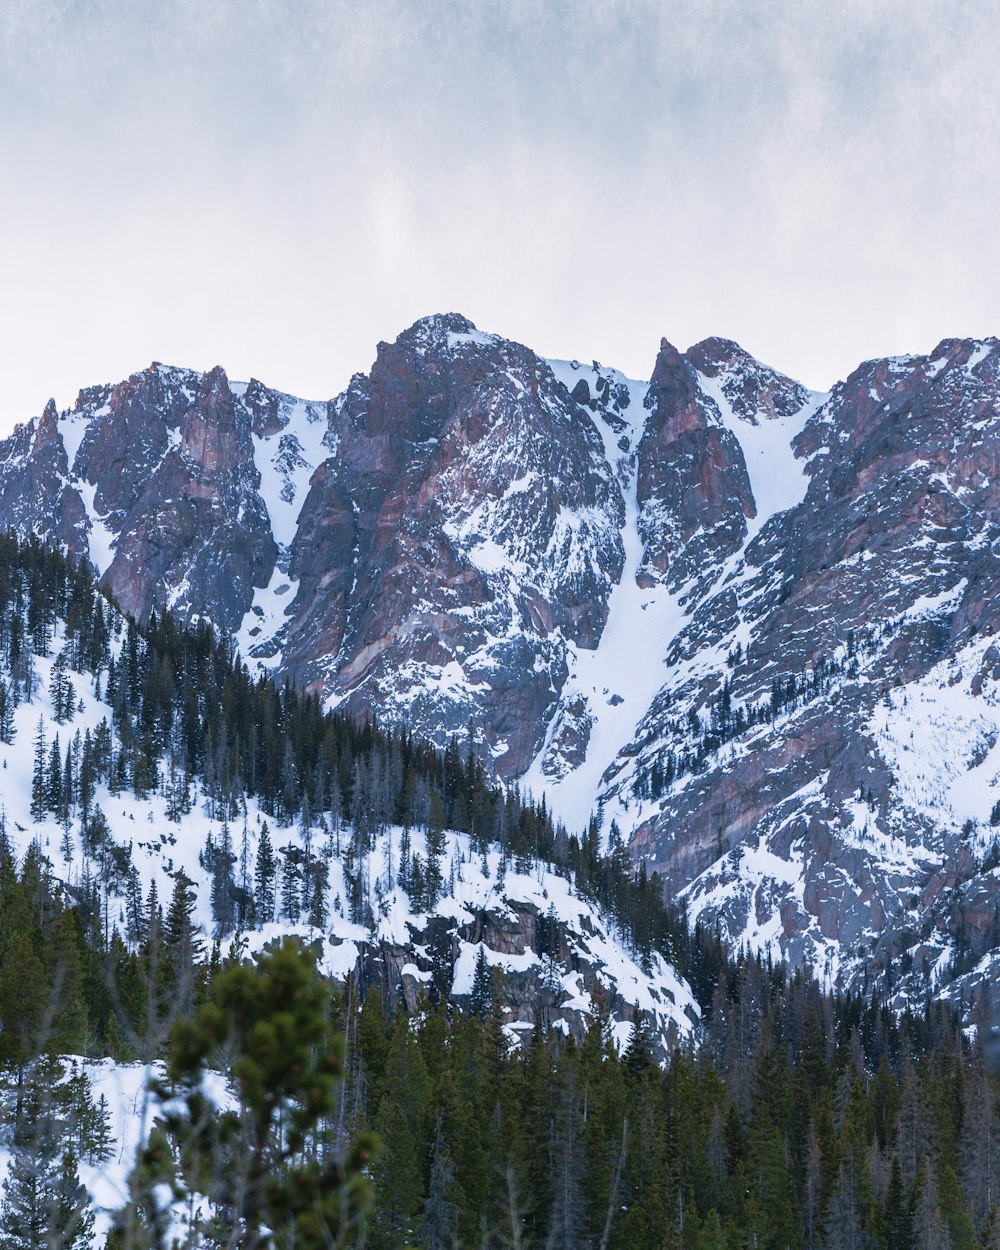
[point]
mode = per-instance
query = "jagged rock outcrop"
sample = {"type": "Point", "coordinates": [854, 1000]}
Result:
{"type": "Point", "coordinates": [462, 526]}
{"type": "Point", "coordinates": [547, 970]}
{"type": "Point", "coordinates": [34, 495]}
{"type": "Point", "coordinates": [693, 489]}
{"type": "Point", "coordinates": [467, 529]}
{"type": "Point", "coordinates": [752, 625]}
{"type": "Point", "coordinates": [197, 539]}
{"type": "Point", "coordinates": [785, 714]}
{"type": "Point", "coordinates": [157, 480]}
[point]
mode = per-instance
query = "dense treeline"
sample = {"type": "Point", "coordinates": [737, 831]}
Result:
{"type": "Point", "coordinates": [796, 1118]}
{"type": "Point", "coordinates": [800, 1120]}
{"type": "Point", "coordinates": [189, 722]}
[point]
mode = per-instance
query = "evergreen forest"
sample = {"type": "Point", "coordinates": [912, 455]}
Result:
{"type": "Point", "coordinates": [793, 1118]}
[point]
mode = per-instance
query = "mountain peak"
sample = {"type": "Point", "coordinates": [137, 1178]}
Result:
{"type": "Point", "coordinates": [963, 350]}
{"type": "Point", "coordinates": [692, 609]}
{"type": "Point", "coordinates": [715, 353]}
{"type": "Point", "coordinates": [438, 328]}
{"type": "Point", "coordinates": [46, 431]}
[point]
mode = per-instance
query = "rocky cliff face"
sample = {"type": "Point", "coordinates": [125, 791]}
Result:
{"type": "Point", "coordinates": [465, 533]}
{"type": "Point", "coordinates": [693, 490]}
{"type": "Point", "coordinates": [818, 764]}
{"type": "Point", "coordinates": [555, 969]}
{"type": "Point", "coordinates": [154, 481]}
{"type": "Point", "coordinates": [752, 625]}
{"type": "Point", "coordinates": [34, 495]}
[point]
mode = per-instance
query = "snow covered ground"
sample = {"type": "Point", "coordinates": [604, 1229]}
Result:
{"type": "Point", "coordinates": [616, 679]}
{"type": "Point", "coordinates": [162, 848]}
{"type": "Point", "coordinates": [619, 679]}
{"type": "Point", "coordinates": [474, 886]}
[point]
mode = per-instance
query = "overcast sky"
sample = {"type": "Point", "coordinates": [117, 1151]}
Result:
{"type": "Point", "coordinates": [275, 185]}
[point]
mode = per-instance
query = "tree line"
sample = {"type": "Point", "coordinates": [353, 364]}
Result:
{"type": "Point", "coordinates": [796, 1118]}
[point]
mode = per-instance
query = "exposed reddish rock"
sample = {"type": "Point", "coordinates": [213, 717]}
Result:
{"type": "Point", "coordinates": [457, 547]}
{"type": "Point", "coordinates": [197, 538]}
{"type": "Point", "coordinates": [467, 527]}
{"type": "Point", "coordinates": [693, 490]}
{"type": "Point", "coordinates": [899, 516]}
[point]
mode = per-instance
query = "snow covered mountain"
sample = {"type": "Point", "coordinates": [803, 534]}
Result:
{"type": "Point", "coordinates": [751, 624]}
{"type": "Point", "coordinates": [71, 792]}
{"type": "Point", "coordinates": [141, 765]}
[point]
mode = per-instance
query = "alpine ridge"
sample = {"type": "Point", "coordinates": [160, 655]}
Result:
{"type": "Point", "coordinates": [750, 625]}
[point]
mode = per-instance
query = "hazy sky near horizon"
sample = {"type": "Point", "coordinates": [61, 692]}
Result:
{"type": "Point", "coordinates": [275, 185]}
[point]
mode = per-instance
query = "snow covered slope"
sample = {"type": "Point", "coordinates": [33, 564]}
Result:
{"type": "Point", "coordinates": [679, 604]}
{"type": "Point", "coordinates": [486, 900]}
{"type": "Point", "coordinates": [815, 773]}
{"type": "Point", "coordinates": [610, 687]}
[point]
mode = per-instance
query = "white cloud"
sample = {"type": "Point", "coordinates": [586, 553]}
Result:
{"type": "Point", "coordinates": [278, 185]}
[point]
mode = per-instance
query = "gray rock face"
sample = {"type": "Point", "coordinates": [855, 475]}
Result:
{"type": "Point", "coordinates": [466, 530]}
{"type": "Point", "coordinates": [752, 625]}
{"type": "Point", "coordinates": [196, 538]}
{"type": "Point", "coordinates": [693, 489]}
{"type": "Point", "coordinates": [155, 481]}
{"type": "Point", "coordinates": [829, 708]}
{"type": "Point", "coordinates": [34, 495]}
{"type": "Point", "coordinates": [553, 980]}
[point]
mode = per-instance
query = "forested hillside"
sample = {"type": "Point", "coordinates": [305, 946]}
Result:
{"type": "Point", "coordinates": [165, 813]}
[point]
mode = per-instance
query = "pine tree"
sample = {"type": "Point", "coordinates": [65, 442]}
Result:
{"type": "Point", "coordinates": [439, 1209]}
{"type": "Point", "coordinates": [291, 893]}
{"type": "Point", "coordinates": [101, 1145]}
{"type": "Point", "coordinates": [85, 777]}
{"type": "Point", "coordinates": [961, 1233]}
{"type": "Point", "coordinates": [913, 1130]}
{"type": "Point", "coordinates": [568, 1211]}
{"type": "Point", "coordinates": [637, 1058]}
{"type": "Point", "coordinates": [482, 986]}
{"type": "Point", "coordinates": [8, 706]}
{"type": "Point", "coordinates": [980, 1144]}
{"type": "Point", "coordinates": [6, 847]}
{"type": "Point", "coordinates": [317, 883]}
{"type": "Point", "coordinates": [372, 1040]}
{"type": "Point", "coordinates": [930, 1232]}
{"type": "Point", "coordinates": [898, 1218]}
{"type": "Point", "coordinates": [43, 1204]}
{"type": "Point", "coordinates": [712, 1235]}
{"type": "Point", "coordinates": [398, 1179]}
{"type": "Point", "coordinates": [69, 785]}
{"type": "Point", "coordinates": [135, 916]}
{"type": "Point", "coordinates": [24, 1000]}
{"type": "Point", "coordinates": [843, 1223]}
{"type": "Point", "coordinates": [183, 949]}
{"type": "Point", "coordinates": [61, 693]}
{"type": "Point", "coordinates": [264, 875]}
{"type": "Point", "coordinates": [265, 1164]}
{"type": "Point", "coordinates": [67, 1008]}
{"type": "Point", "coordinates": [433, 877]}
{"type": "Point", "coordinates": [223, 898]}
{"type": "Point", "coordinates": [96, 832]}
{"type": "Point", "coordinates": [54, 779]}
{"type": "Point", "coordinates": [439, 952]}
{"type": "Point", "coordinates": [244, 895]}
{"type": "Point", "coordinates": [38, 774]}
